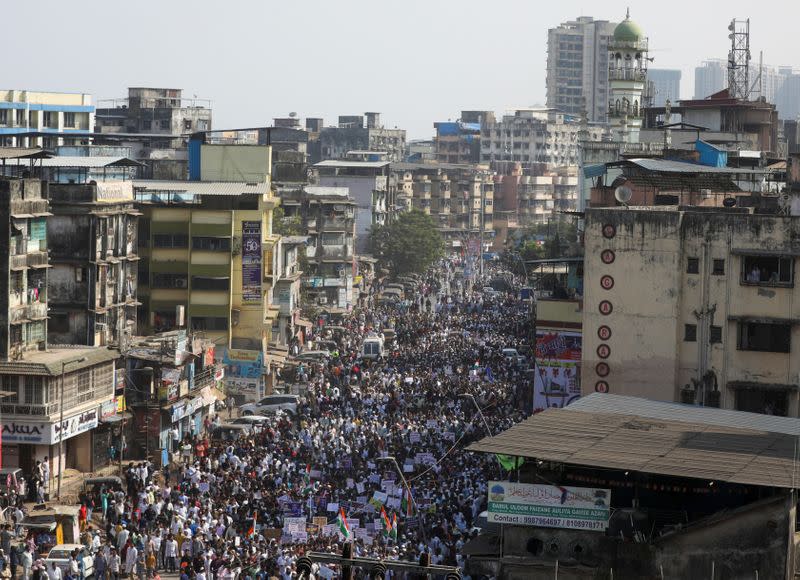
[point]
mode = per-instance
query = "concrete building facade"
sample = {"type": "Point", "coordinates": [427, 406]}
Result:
{"type": "Point", "coordinates": [24, 263]}
{"type": "Point", "coordinates": [368, 185]}
{"type": "Point", "coordinates": [328, 217]}
{"type": "Point", "coordinates": [534, 137]}
{"type": "Point", "coordinates": [93, 254]}
{"type": "Point", "coordinates": [208, 247]}
{"type": "Point", "coordinates": [711, 318]}
{"type": "Point", "coordinates": [577, 67]}
{"type": "Point", "coordinates": [361, 133]}
{"type": "Point", "coordinates": [155, 123]}
{"type": "Point", "coordinates": [23, 112]}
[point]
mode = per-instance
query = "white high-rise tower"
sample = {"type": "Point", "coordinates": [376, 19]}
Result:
{"type": "Point", "coordinates": [627, 78]}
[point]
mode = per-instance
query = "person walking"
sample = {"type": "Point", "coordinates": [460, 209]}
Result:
{"type": "Point", "coordinates": [114, 563]}
{"type": "Point", "coordinates": [26, 560]}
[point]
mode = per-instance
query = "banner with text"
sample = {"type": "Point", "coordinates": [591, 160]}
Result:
{"type": "Point", "coordinates": [548, 506]}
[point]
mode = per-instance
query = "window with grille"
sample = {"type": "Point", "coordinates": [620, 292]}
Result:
{"type": "Point", "coordinates": [10, 384]}
{"type": "Point", "coordinates": [103, 380]}
{"type": "Point", "coordinates": [34, 390]}
{"type": "Point", "coordinates": [84, 386]}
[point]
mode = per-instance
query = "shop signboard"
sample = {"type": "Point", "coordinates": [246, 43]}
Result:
{"type": "Point", "coordinates": [251, 262]}
{"type": "Point", "coordinates": [38, 433]}
{"type": "Point", "coordinates": [25, 432]}
{"type": "Point", "coordinates": [108, 409]}
{"type": "Point", "coordinates": [74, 425]}
{"type": "Point", "coordinates": [549, 506]}
{"type": "Point", "coordinates": [180, 348]}
{"type": "Point", "coordinates": [558, 360]}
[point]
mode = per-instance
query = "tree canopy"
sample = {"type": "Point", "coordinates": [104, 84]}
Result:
{"type": "Point", "coordinates": [407, 245]}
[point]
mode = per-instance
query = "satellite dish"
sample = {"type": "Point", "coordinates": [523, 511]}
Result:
{"type": "Point", "coordinates": [729, 202]}
{"type": "Point", "coordinates": [293, 114]}
{"type": "Point", "coordinates": [623, 194]}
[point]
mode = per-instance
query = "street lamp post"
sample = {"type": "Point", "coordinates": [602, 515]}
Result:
{"type": "Point", "coordinates": [410, 495]}
{"type": "Point", "coordinates": [61, 423]}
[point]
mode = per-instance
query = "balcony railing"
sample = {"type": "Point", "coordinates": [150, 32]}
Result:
{"type": "Point", "coordinates": [27, 207]}
{"type": "Point", "coordinates": [33, 311]}
{"type": "Point", "coordinates": [626, 74]}
{"type": "Point", "coordinates": [204, 378]}
{"type": "Point", "coordinates": [27, 409]}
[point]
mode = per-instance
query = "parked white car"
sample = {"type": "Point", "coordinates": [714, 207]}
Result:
{"type": "Point", "coordinates": [270, 404]}
{"type": "Point", "coordinates": [60, 553]}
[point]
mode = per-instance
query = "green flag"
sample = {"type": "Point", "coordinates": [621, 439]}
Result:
{"type": "Point", "coordinates": [510, 462]}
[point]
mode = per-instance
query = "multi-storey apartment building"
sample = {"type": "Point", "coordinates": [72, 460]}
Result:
{"type": "Point", "coordinates": [368, 184]}
{"type": "Point", "coordinates": [361, 133]}
{"type": "Point", "coordinates": [28, 117]}
{"type": "Point", "coordinates": [545, 137]}
{"type": "Point", "coordinates": [577, 67]}
{"type": "Point", "coordinates": [93, 254]}
{"type": "Point", "coordinates": [52, 394]}
{"type": "Point", "coordinates": [24, 261]}
{"type": "Point", "coordinates": [156, 124]}
{"type": "Point", "coordinates": [697, 305]}
{"type": "Point", "coordinates": [208, 246]}
{"type": "Point", "coordinates": [328, 216]}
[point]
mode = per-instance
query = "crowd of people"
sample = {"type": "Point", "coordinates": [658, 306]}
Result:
{"type": "Point", "coordinates": [375, 454]}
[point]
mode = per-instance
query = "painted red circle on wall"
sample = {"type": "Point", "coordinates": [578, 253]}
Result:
{"type": "Point", "coordinates": [602, 369]}
{"type": "Point", "coordinates": [609, 231]}
{"type": "Point", "coordinates": [607, 282]}
{"type": "Point", "coordinates": [601, 387]}
{"type": "Point", "coordinates": [606, 307]}
{"type": "Point", "coordinates": [608, 256]}
{"type": "Point", "coordinates": [604, 332]}
{"type": "Point", "coordinates": [603, 351]}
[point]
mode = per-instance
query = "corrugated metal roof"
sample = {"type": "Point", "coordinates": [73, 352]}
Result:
{"type": "Point", "coordinates": [625, 440]}
{"type": "Point", "coordinates": [202, 187]}
{"type": "Point", "coordinates": [23, 153]}
{"type": "Point", "coordinates": [326, 190]}
{"type": "Point", "coordinates": [89, 162]}
{"type": "Point", "coordinates": [49, 362]}
{"type": "Point", "coordinates": [608, 403]}
{"type": "Point", "coordinates": [668, 166]}
{"type": "Point", "coordinates": [346, 163]}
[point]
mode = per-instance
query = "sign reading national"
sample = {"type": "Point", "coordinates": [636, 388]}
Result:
{"type": "Point", "coordinates": [549, 506]}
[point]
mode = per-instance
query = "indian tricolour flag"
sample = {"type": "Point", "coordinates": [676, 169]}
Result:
{"type": "Point", "coordinates": [407, 504]}
{"type": "Point", "coordinates": [387, 525]}
{"type": "Point", "coordinates": [393, 530]}
{"type": "Point", "coordinates": [308, 487]}
{"type": "Point", "coordinates": [344, 527]}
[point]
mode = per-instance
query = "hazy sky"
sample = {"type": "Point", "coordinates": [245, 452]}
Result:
{"type": "Point", "coordinates": [416, 61]}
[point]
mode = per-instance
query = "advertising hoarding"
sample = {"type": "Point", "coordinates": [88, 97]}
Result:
{"type": "Point", "coordinates": [549, 506]}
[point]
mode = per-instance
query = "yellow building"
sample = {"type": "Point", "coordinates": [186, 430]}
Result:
{"type": "Point", "coordinates": [693, 305]}
{"type": "Point", "coordinates": [208, 246]}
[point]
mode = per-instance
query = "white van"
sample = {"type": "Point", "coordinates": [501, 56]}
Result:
{"type": "Point", "coordinates": [372, 347]}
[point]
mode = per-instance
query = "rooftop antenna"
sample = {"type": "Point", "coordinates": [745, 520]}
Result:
{"type": "Point", "coordinates": [739, 59]}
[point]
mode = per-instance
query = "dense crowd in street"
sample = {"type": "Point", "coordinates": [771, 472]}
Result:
{"type": "Point", "coordinates": [370, 437]}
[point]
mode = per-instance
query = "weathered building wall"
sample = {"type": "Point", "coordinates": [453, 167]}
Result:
{"type": "Point", "coordinates": [658, 274]}
{"type": "Point", "coordinates": [639, 310]}
{"type": "Point", "coordinates": [69, 236]}
{"type": "Point", "coordinates": [754, 539]}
